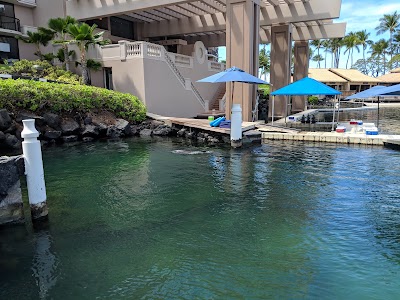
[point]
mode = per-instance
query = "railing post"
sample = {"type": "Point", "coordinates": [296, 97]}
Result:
{"type": "Point", "coordinates": [144, 49]}
{"type": "Point", "coordinates": [236, 126]}
{"type": "Point", "coordinates": [221, 106]}
{"type": "Point", "coordinates": [122, 50]}
{"type": "Point", "coordinates": [207, 105]}
{"type": "Point", "coordinates": [34, 170]}
{"type": "Point", "coordinates": [188, 84]}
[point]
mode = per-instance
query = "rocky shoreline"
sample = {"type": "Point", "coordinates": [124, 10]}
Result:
{"type": "Point", "coordinates": [66, 128]}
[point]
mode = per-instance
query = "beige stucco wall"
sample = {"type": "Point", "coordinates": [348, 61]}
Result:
{"type": "Point", "coordinates": [26, 51]}
{"type": "Point", "coordinates": [128, 76]}
{"type": "Point", "coordinates": [24, 14]}
{"type": "Point", "coordinates": [48, 9]}
{"type": "Point", "coordinates": [165, 95]}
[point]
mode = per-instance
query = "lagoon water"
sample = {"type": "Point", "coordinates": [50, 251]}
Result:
{"type": "Point", "coordinates": [136, 219]}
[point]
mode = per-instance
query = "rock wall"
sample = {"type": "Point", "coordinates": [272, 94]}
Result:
{"type": "Point", "coordinates": [11, 205]}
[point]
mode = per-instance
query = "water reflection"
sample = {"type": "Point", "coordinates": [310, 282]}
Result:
{"type": "Point", "coordinates": [44, 263]}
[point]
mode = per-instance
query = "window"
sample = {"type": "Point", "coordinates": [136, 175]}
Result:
{"type": "Point", "coordinates": [8, 48]}
{"type": "Point", "coordinates": [122, 28]}
{"type": "Point", "coordinates": [7, 17]}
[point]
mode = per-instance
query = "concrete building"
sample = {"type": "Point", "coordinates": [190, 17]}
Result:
{"type": "Point", "coordinates": [161, 47]}
{"type": "Point", "coordinates": [347, 81]}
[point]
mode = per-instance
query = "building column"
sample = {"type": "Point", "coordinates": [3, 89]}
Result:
{"type": "Point", "coordinates": [281, 53]}
{"type": "Point", "coordinates": [242, 40]}
{"type": "Point", "coordinates": [301, 59]}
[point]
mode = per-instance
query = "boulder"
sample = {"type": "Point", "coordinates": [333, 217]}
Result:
{"type": "Point", "coordinates": [119, 129]}
{"type": "Point", "coordinates": [52, 134]}
{"type": "Point", "coordinates": [181, 132]}
{"type": "Point", "coordinates": [69, 127]}
{"type": "Point", "coordinates": [87, 121]}
{"type": "Point", "coordinates": [102, 129]}
{"type": "Point", "coordinates": [2, 136]}
{"type": "Point", "coordinates": [146, 132]}
{"type": "Point", "coordinates": [12, 142]}
{"type": "Point", "coordinates": [134, 130]}
{"type": "Point", "coordinates": [39, 121]}
{"type": "Point", "coordinates": [162, 130]}
{"type": "Point", "coordinates": [70, 138]}
{"type": "Point", "coordinates": [53, 120]}
{"type": "Point", "coordinates": [190, 135]}
{"type": "Point", "coordinates": [87, 139]}
{"type": "Point", "coordinates": [90, 131]}
{"type": "Point", "coordinates": [5, 120]}
{"type": "Point", "coordinates": [11, 205]}
{"type": "Point", "coordinates": [155, 123]}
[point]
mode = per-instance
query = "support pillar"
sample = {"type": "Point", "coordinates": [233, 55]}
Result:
{"type": "Point", "coordinates": [301, 59]}
{"type": "Point", "coordinates": [242, 40]}
{"type": "Point", "coordinates": [281, 52]}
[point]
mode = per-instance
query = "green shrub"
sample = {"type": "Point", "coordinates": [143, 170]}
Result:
{"type": "Point", "coordinates": [25, 67]}
{"type": "Point", "coordinates": [313, 100]}
{"type": "Point", "coordinates": [55, 97]}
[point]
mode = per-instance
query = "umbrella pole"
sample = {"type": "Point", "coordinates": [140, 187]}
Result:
{"type": "Point", "coordinates": [338, 112]}
{"type": "Point", "coordinates": [273, 109]}
{"type": "Point", "coordinates": [377, 122]}
{"type": "Point", "coordinates": [287, 104]}
{"type": "Point", "coordinates": [333, 117]}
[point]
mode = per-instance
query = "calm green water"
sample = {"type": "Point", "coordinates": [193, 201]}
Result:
{"type": "Point", "coordinates": [133, 220]}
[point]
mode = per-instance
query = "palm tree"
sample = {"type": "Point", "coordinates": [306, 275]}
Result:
{"type": "Point", "coordinates": [60, 27]}
{"type": "Point", "coordinates": [364, 42]}
{"type": "Point", "coordinates": [40, 38]}
{"type": "Point", "coordinates": [379, 50]}
{"type": "Point", "coordinates": [336, 45]}
{"type": "Point", "coordinates": [326, 45]}
{"type": "Point", "coordinates": [264, 61]}
{"type": "Point", "coordinates": [389, 23]}
{"type": "Point", "coordinates": [83, 35]}
{"type": "Point", "coordinates": [351, 42]}
{"type": "Point", "coordinates": [317, 44]}
{"type": "Point", "coordinates": [318, 58]}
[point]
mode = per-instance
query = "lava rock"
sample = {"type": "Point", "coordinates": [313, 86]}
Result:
{"type": "Point", "coordinates": [162, 130]}
{"type": "Point", "coordinates": [70, 138]}
{"type": "Point", "coordinates": [87, 139]}
{"type": "Point", "coordinates": [12, 142]}
{"type": "Point", "coordinates": [123, 126]}
{"type": "Point", "coordinates": [90, 131]}
{"type": "Point", "coordinates": [52, 134]}
{"type": "Point", "coordinates": [190, 135]}
{"type": "Point", "coordinates": [5, 119]}
{"type": "Point", "coordinates": [2, 136]}
{"type": "Point", "coordinates": [39, 121]}
{"type": "Point", "coordinates": [102, 129]}
{"type": "Point", "coordinates": [155, 123]}
{"type": "Point", "coordinates": [181, 132]}
{"type": "Point", "coordinates": [146, 132]}
{"type": "Point", "coordinates": [87, 121]}
{"type": "Point", "coordinates": [134, 130]}
{"type": "Point", "coordinates": [69, 126]}
{"type": "Point", "coordinates": [53, 120]}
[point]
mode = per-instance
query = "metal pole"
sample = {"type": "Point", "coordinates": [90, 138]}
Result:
{"type": "Point", "coordinates": [273, 109]}
{"type": "Point", "coordinates": [377, 122]}
{"type": "Point", "coordinates": [287, 104]}
{"type": "Point", "coordinates": [333, 117]}
{"type": "Point", "coordinates": [338, 112]}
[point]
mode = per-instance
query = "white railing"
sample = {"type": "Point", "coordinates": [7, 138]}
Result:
{"type": "Point", "coordinates": [154, 51]}
{"type": "Point", "coordinates": [182, 60]}
{"type": "Point", "coordinates": [222, 103]}
{"type": "Point", "coordinates": [215, 66]}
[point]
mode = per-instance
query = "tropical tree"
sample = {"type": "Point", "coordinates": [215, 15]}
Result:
{"type": "Point", "coordinates": [336, 45]}
{"type": "Point", "coordinates": [379, 50]}
{"type": "Point", "coordinates": [42, 37]}
{"type": "Point", "coordinates": [318, 58]}
{"type": "Point", "coordinates": [326, 45]}
{"type": "Point", "coordinates": [264, 61]}
{"type": "Point", "coordinates": [389, 23]}
{"type": "Point", "coordinates": [363, 41]}
{"type": "Point", "coordinates": [83, 35]}
{"type": "Point", "coordinates": [60, 28]}
{"type": "Point", "coordinates": [351, 42]}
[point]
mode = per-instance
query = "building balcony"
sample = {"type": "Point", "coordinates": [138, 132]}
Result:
{"type": "Point", "coordinates": [27, 3]}
{"type": "Point", "coordinates": [10, 24]}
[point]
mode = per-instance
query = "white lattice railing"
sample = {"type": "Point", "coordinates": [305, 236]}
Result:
{"type": "Point", "coordinates": [154, 51]}
{"type": "Point", "coordinates": [216, 66]}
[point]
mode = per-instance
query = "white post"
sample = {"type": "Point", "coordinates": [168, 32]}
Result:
{"type": "Point", "coordinates": [236, 126]}
{"type": "Point", "coordinates": [34, 170]}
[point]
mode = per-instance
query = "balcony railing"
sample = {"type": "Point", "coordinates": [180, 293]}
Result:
{"type": "Point", "coordinates": [10, 23]}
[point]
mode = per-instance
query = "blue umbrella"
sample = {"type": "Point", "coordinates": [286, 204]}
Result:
{"type": "Point", "coordinates": [306, 86]}
{"type": "Point", "coordinates": [371, 92]}
{"type": "Point", "coordinates": [393, 90]}
{"type": "Point", "coordinates": [233, 75]}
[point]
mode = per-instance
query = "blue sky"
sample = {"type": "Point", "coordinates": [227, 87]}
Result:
{"type": "Point", "coordinates": [359, 15]}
